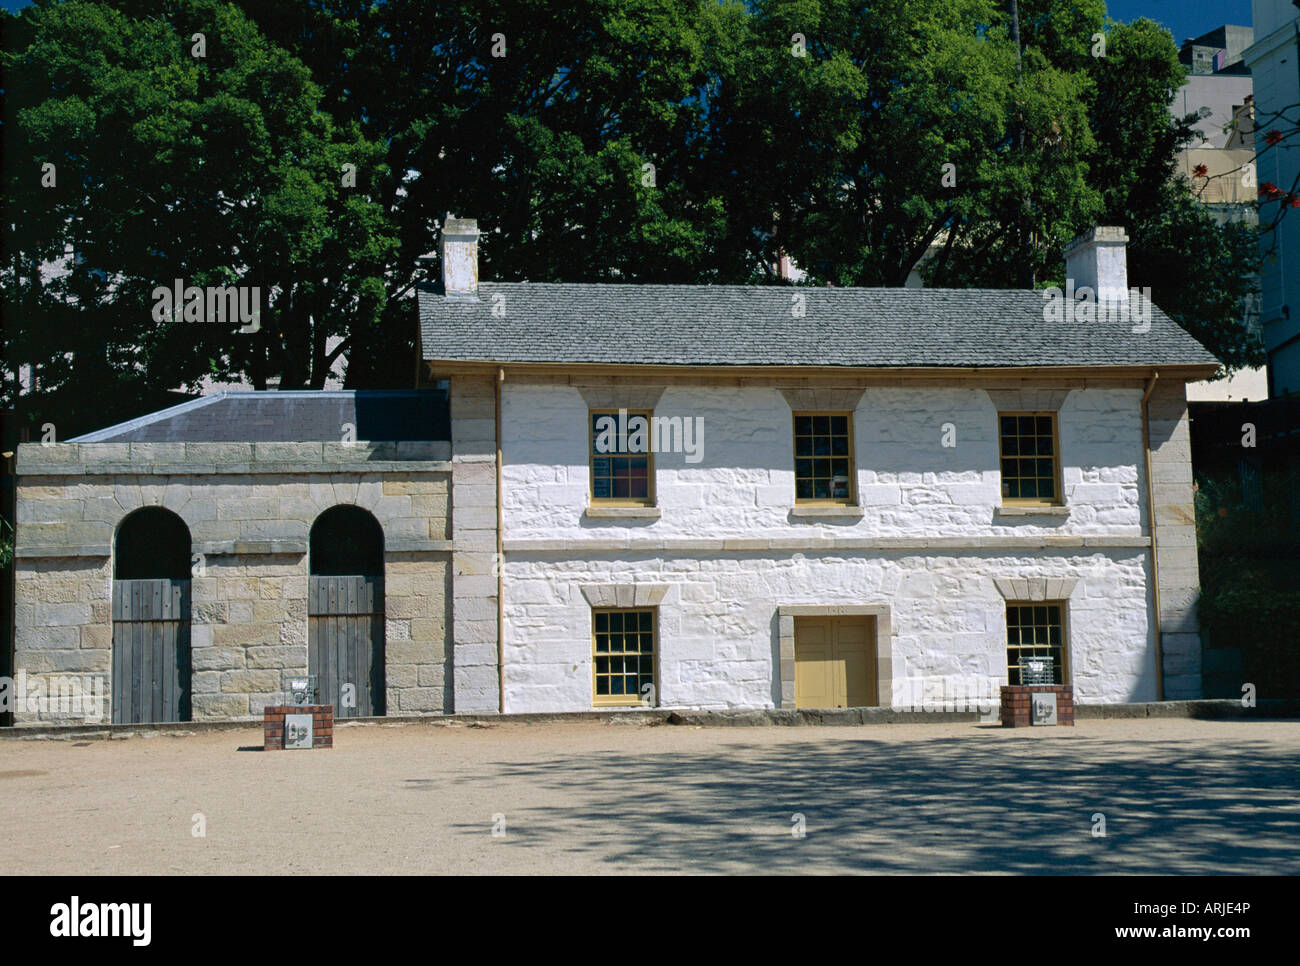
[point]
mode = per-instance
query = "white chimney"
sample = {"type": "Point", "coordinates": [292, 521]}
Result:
{"type": "Point", "coordinates": [460, 258]}
{"type": "Point", "coordinates": [1097, 260]}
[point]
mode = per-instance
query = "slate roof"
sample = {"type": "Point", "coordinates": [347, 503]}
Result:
{"type": "Point", "coordinates": [299, 416]}
{"type": "Point", "coordinates": [742, 325]}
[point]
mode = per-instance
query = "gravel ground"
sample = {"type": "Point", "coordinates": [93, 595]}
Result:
{"type": "Point", "coordinates": [1178, 796]}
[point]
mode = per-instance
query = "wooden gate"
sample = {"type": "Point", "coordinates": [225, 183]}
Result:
{"type": "Point", "coordinates": [345, 642]}
{"type": "Point", "coordinates": [151, 650]}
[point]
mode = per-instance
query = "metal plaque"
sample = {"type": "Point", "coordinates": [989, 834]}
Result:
{"type": "Point", "coordinates": [1043, 706]}
{"type": "Point", "coordinates": [298, 730]}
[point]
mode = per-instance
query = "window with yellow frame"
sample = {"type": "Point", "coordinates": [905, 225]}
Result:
{"type": "Point", "coordinates": [1036, 633]}
{"type": "Point", "coordinates": [823, 457]}
{"type": "Point", "coordinates": [1030, 458]}
{"type": "Point", "coordinates": [623, 655]}
{"type": "Point", "coordinates": [622, 465]}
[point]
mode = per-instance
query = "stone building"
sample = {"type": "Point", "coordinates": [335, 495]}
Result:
{"type": "Point", "coordinates": [683, 496]}
{"type": "Point", "coordinates": [839, 509]}
{"type": "Point", "coordinates": [226, 504]}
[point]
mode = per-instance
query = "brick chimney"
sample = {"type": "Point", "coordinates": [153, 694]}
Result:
{"type": "Point", "coordinates": [460, 258]}
{"type": "Point", "coordinates": [1098, 260]}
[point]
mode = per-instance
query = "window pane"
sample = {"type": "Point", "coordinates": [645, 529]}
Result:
{"type": "Point", "coordinates": [1008, 425]}
{"type": "Point", "coordinates": [1045, 426]}
{"type": "Point", "coordinates": [829, 446]}
{"type": "Point", "coordinates": [803, 425]}
{"type": "Point", "coordinates": [1010, 445]}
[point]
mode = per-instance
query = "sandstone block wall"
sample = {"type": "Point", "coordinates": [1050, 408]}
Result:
{"type": "Point", "coordinates": [1175, 530]}
{"type": "Point", "coordinates": [249, 508]}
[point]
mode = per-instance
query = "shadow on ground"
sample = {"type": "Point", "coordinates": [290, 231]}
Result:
{"type": "Point", "coordinates": [984, 802]}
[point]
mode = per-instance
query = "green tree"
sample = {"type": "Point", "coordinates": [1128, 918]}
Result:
{"type": "Point", "coordinates": [217, 169]}
{"type": "Point", "coordinates": [1199, 269]}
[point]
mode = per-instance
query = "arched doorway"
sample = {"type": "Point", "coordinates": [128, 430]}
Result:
{"type": "Point", "coordinates": [151, 618]}
{"type": "Point", "coordinates": [345, 611]}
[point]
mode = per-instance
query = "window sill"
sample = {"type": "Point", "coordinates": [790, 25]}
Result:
{"type": "Point", "coordinates": [1031, 511]}
{"type": "Point", "coordinates": [624, 512]}
{"type": "Point", "coordinates": [829, 510]}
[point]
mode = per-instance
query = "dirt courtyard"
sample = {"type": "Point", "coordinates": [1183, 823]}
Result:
{"type": "Point", "coordinates": [1177, 796]}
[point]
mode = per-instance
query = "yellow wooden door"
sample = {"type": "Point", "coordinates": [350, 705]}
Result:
{"type": "Point", "coordinates": [834, 662]}
{"type": "Point", "coordinates": [814, 671]}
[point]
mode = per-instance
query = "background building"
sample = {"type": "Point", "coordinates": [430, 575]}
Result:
{"type": "Point", "coordinates": [1274, 63]}
{"type": "Point", "coordinates": [1220, 165]}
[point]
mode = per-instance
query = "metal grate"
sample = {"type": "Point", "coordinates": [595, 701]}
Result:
{"type": "Point", "coordinates": [1037, 670]}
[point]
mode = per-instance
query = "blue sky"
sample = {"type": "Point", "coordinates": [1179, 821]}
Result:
{"type": "Point", "coordinates": [1184, 18]}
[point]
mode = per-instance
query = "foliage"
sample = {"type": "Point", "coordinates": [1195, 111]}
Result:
{"type": "Point", "coordinates": [219, 170]}
{"type": "Point", "coordinates": [6, 543]}
{"type": "Point", "coordinates": [227, 168]}
{"type": "Point", "coordinates": [1250, 577]}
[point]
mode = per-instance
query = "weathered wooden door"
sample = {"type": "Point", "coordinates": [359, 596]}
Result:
{"type": "Point", "coordinates": [151, 650]}
{"type": "Point", "coordinates": [345, 643]}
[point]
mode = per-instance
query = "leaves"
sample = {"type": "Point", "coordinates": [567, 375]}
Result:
{"type": "Point", "coordinates": [227, 169]}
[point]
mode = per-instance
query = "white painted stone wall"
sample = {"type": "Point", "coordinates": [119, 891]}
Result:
{"type": "Point", "coordinates": [718, 643]}
{"type": "Point", "coordinates": [908, 483]}
{"type": "Point", "coordinates": [718, 631]}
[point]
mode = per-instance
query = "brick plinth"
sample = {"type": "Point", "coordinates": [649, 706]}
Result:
{"type": "Point", "coordinates": [322, 721]}
{"type": "Point", "coordinates": [1017, 711]}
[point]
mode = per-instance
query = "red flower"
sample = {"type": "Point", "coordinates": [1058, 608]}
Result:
{"type": "Point", "coordinates": [1223, 511]}
{"type": "Point", "coordinates": [1200, 171]}
{"type": "Point", "coordinates": [1269, 190]}
{"type": "Point", "coordinates": [1273, 136]}
{"type": "Point", "coordinates": [1293, 201]}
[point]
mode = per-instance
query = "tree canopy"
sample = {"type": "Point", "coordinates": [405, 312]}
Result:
{"type": "Point", "coordinates": [594, 140]}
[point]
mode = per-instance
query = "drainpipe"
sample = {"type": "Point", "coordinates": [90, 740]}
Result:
{"type": "Point", "coordinates": [501, 560]}
{"type": "Point", "coordinates": [1151, 527]}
